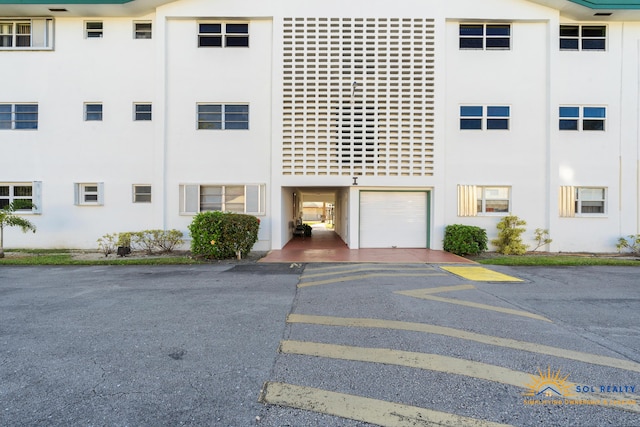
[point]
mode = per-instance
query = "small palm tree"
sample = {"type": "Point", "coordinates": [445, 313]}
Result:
{"type": "Point", "coordinates": [8, 218]}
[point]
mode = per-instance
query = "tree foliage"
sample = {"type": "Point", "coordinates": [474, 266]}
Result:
{"type": "Point", "coordinates": [10, 218]}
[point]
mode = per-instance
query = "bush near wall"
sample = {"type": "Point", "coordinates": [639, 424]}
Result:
{"type": "Point", "coordinates": [148, 240]}
{"type": "Point", "coordinates": [464, 239]}
{"type": "Point", "coordinates": [222, 235]}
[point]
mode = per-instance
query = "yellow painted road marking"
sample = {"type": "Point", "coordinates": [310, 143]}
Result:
{"type": "Point", "coordinates": [364, 276]}
{"type": "Point", "coordinates": [360, 269]}
{"type": "Point", "coordinates": [425, 294]}
{"type": "Point", "coordinates": [360, 408]}
{"type": "Point", "coordinates": [481, 274]}
{"type": "Point", "coordinates": [438, 363]}
{"type": "Point", "coordinates": [443, 289]}
{"type": "Point", "coordinates": [593, 359]}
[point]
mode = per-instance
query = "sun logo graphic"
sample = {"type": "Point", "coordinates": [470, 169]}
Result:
{"type": "Point", "coordinates": [549, 384]}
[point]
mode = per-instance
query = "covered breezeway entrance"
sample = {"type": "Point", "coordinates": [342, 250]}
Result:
{"type": "Point", "coordinates": [325, 246]}
{"type": "Point", "coordinates": [352, 224]}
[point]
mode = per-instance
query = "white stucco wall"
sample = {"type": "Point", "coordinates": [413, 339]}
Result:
{"type": "Point", "coordinates": [533, 157]}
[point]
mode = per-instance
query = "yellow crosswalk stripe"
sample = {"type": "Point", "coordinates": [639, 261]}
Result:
{"type": "Point", "coordinates": [594, 359]}
{"type": "Point", "coordinates": [438, 363]}
{"type": "Point", "coordinates": [373, 411]}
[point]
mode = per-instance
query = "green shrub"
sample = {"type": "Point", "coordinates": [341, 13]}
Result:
{"type": "Point", "coordinates": [167, 240]}
{"type": "Point", "coordinates": [147, 240]}
{"type": "Point", "coordinates": [464, 239]}
{"type": "Point", "coordinates": [631, 243]}
{"type": "Point", "coordinates": [108, 243]}
{"type": "Point", "coordinates": [160, 240]}
{"type": "Point", "coordinates": [222, 235]}
{"type": "Point", "coordinates": [509, 241]}
{"type": "Point", "coordinates": [124, 239]}
{"type": "Point", "coordinates": [542, 238]}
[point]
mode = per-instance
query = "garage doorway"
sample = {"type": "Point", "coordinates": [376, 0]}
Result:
{"type": "Point", "coordinates": [394, 219]}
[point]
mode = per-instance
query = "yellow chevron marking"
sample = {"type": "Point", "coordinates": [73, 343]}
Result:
{"type": "Point", "coordinates": [426, 294]}
{"type": "Point", "coordinates": [364, 276]}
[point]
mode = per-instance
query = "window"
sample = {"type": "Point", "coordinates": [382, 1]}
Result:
{"type": "Point", "coordinates": [582, 118]}
{"type": "Point", "coordinates": [582, 201]}
{"type": "Point", "coordinates": [141, 112]}
{"type": "Point", "coordinates": [485, 36]}
{"type": "Point", "coordinates": [18, 116]}
{"type": "Point", "coordinates": [89, 193]}
{"type": "Point", "coordinates": [25, 194]}
{"type": "Point", "coordinates": [474, 117]}
{"type": "Point", "coordinates": [26, 33]}
{"type": "Point", "coordinates": [218, 116]}
{"type": "Point", "coordinates": [248, 199]}
{"type": "Point", "coordinates": [141, 194]}
{"type": "Point", "coordinates": [479, 200]}
{"type": "Point", "coordinates": [93, 29]}
{"type": "Point", "coordinates": [590, 200]}
{"type": "Point", "coordinates": [493, 199]}
{"type": "Point", "coordinates": [220, 34]}
{"type": "Point", "coordinates": [142, 30]}
{"type": "Point", "coordinates": [583, 37]}
{"type": "Point", "coordinates": [93, 112]}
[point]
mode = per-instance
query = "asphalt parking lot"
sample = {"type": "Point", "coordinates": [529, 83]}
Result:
{"type": "Point", "coordinates": [318, 345]}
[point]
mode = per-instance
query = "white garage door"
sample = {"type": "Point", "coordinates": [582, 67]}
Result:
{"type": "Point", "coordinates": [389, 219]}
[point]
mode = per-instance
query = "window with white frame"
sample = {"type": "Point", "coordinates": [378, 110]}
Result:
{"type": "Point", "coordinates": [493, 199]}
{"type": "Point", "coordinates": [223, 116]}
{"type": "Point", "coordinates": [583, 37]}
{"type": "Point", "coordinates": [479, 117]}
{"type": "Point", "coordinates": [247, 199]}
{"type": "Point", "coordinates": [26, 33]}
{"type": "Point", "coordinates": [24, 195]}
{"type": "Point", "coordinates": [142, 30]}
{"type": "Point", "coordinates": [582, 201]}
{"type": "Point", "coordinates": [93, 112]}
{"type": "Point", "coordinates": [590, 200]}
{"type": "Point", "coordinates": [582, 118]}
{"type": "Point", "coordinates": [483, 200]}
{"type": "Point", "coordinates": [93, 29]}
{"type": "Point", "coordinates": [18, 116]}
{"type": "Point", "coordinates": [214, 34]}
{"type": "Point", "coordinates": [141, 193]}
{"type": "Point", "coordinates": [142, 112]}
{"type": "Point", "coordinates": [89, 194]}
{"type": "Point", "coordinates": [478, 36]}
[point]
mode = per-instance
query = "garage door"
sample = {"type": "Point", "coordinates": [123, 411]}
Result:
{"type": "Point", "coordinates": [393, 219]}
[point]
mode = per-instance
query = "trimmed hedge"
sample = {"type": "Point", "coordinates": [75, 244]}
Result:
{"type": "Point", "coordinates": [222, 235]}
{"type": "Point", "coordinates": [465, 239]}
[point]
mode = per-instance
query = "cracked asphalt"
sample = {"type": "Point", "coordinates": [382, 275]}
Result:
{"type": "Point", "coordinates": [194, 345]}
{"type": "Point", "coordinates": [139, 346]}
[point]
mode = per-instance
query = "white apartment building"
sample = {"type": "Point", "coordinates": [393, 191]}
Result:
{"type": "Point", "coordinates": [406, 116]}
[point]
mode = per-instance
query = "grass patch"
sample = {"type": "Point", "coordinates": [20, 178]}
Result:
{"type": "Point", "coordinates": [557, 260]}
{"type": "Point", "coordinates": [39, 251]}
{"type": "Point", "coordinates": [67, 259]}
